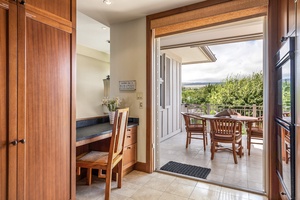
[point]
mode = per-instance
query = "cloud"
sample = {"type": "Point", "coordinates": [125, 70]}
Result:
{"type": "Point", "coordinates": [242, 58]}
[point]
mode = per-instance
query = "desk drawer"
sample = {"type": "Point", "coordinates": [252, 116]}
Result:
{"type": "Point", "coordinates": [131, 136]}
{"type": "Point", "coordinates": [129, 158]}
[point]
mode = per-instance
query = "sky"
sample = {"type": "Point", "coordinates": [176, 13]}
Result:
{"type": "Point", "coordinates": [241, 58]}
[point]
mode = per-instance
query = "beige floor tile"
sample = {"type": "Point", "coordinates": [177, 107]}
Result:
{"type": "Point", "coordinates": [146, 194]}
{"type": "Point", "coordinates": [222, 162]}
{"type": "Point", "coordinates": [255, 185]}
{"type": "Point", "coordinates": [232, 192]}
{"type": "Point", "coordinates": [234, 175]}
{"type": "Point", "coordinates": [237, 167]}
{"type": "Point", "coordinates": [115, 196]}
{"type": "Point", "coordinates": [89, 192]}
{"type": "Point", "coordinates": [167, 196]}
{"type": "Point", "coordinates": [137, 179]}
{"type": "Point", "coordinates": [208, 186]}
{"type": "Point", "coordinates": [204, 194]}
{"type": "Point", "coordinates": [215, 178]}
{"type": "Point", "coordinates": [257, 197]}
{"type": "Point", "coordinates": [158, 183]}
{"type": "Point", "coordinates": [128, 189]}
{"type": "Point", "coordinates": [185, 181]}
{"type": "Point", "coordinates": [180, 189]}
{"type": "Point", "coordinates": [227, 196]}
{"type": "Point", "coordinates": [165, 176]}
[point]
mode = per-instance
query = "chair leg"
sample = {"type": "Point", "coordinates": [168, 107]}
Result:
{"type": "Point", "coordinates": [89, 176]}
{"type": "Point", "coordinates": [240, 148]}
{"type": "Point", "coordinates": [234, 153]}
{"type": "Point", "coordinates": [204, 143]}
{"type": "Point", "coordinates": [212, 149]}
{"type": "Point", "coordinates": [78, 171]}
{"type": "Point", "coordinates": [108, 184]}
{"type": "Point", "coordinates": [249, 144]}
{"type": "Point", "coordinates": [187, 140]}
{"type": "Point", "coordinates": [286, 154]}
{"type": "Point", "coordinates": [120, 173]}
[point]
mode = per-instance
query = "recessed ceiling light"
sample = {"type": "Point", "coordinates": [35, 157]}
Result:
{"type": "Point", "coordinates": [107, 2]}
{"type": "Point", "coordinates": [103, 28]}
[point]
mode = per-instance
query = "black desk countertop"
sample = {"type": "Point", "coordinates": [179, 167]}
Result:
{"type": "Point", "coordinates": [91, 131]}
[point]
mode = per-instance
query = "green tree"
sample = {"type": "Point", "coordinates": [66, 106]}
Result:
{"type": "Point", "coordinates": [235, 90]}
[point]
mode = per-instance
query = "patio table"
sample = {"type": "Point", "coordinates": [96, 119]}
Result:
{"type": "Point", "coordinates": [244, 119]}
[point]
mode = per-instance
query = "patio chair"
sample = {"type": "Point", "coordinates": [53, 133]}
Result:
{"type": "Point", "coordinates": [287, 146]}
{"type": "Point", "coordinates": [254, 131]}
{"type": "Point", "coordinates": [108, 161]}
{"type": "Point", "coordinates": [195, 129]}
{"type": "Point", "coordinates": [226, 131]}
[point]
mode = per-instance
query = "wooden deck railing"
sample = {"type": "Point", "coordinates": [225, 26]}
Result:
{"type": "Point", "coordinates": [246, 110]}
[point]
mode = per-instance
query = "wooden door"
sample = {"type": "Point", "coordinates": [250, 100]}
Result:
{"type": "Point", "coordinates": [46, 151]}
{"type": "Point", "coordinates": [8, 101]}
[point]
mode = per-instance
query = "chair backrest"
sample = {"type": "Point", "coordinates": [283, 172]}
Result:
{"type": "Point", "coordinates": [257, 124]}
{"type": "Point", "coordinates": [191, 119]}
{"type": "Point", "coordinates": [118, 133]}
{"type": "Point", "coordinates": [226, 127]}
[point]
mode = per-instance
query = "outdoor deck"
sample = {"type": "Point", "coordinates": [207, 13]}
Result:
{"type": "Point", "coordinates": [247, 174]}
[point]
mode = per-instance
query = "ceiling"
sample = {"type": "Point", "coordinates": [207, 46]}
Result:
{"type": "Point", "coordinates": [126, 10]}
{"type": "Point", "coordinates": [94, 18]}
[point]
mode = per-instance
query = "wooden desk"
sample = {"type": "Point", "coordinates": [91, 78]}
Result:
{"type": "Point", "coordinates": [97, 137]}
{"type": "Point", "coordinates": [97, 132]}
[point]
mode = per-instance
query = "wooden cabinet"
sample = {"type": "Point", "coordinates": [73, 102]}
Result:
{"type": "Point", "coordinates": [4, 48]}
{"type": "Point", "coordinates": [286, 18]}
{"type": "Point", "coordinates": [130, 149]}
{"type": "Point", "coordinates": [38, 90]}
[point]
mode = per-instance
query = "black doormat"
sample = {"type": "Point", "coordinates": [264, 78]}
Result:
{"type": "Point", "coordinates": [190, 170]}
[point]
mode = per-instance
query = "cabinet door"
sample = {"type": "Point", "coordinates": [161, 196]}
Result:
{"type": "Point", "coordinates": [286, 18]}
{"type": "Point", "coordinates": [60, 8]}
{"type": "Point", "coordinates": [3, 98]}
{"type": "Point", "coordinates": [8, 111]}
{"type": "Point", "coordinates": [46, 167]}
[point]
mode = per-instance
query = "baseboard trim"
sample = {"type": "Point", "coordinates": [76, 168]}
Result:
{"type": "Point", "coordinates": [142, 167]}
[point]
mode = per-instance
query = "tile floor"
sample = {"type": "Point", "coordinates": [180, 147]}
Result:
{"type": "Point", "coordinates": [159, 186]}
{"type": "Point", "coordinates": [247, 174]}
{"type": "Point", "coordinates": [138, 185]}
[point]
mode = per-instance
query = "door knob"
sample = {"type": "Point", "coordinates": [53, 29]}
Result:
{"type": "Point", "coordinates": [15, 142]}
{"type": "Point", "coordinates": [22, 141]}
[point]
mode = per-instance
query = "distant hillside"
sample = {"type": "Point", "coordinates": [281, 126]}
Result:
{"type": "Point", "coordinates": [198, 84]}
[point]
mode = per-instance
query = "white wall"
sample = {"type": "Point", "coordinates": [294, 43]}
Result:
{"type": "Point", "coordinates": [128, 62]}
{"type": "Point", "coordinates": [92, 67]}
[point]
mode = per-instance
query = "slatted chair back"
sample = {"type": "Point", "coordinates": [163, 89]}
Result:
{"type": "Point", "coordinates": [118, 134]}
{"type": "Point", "coordinates": [226, 127]}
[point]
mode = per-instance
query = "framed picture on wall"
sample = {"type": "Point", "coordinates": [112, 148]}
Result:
{"type": "Point", "coordinates": [127, 85]}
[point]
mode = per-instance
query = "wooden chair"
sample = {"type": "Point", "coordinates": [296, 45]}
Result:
{"type": "Point", "coordinates": [108, 161]}
{"type": "Point", "coordinates": [287, 145]}
{"type": "Point", "coordinates": [226, 131]}
{"type": "Point", "coordinates": [254, 131]}
{"type": "Point", "coordinates": [195, 128]}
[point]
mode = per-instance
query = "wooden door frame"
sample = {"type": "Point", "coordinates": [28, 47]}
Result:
{"type": "Point", "coordinates": [216, 12]}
